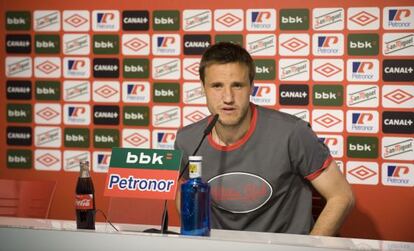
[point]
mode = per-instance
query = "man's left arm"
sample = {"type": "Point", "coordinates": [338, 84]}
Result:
{"type": "Point", "coordinates": [332, 185]}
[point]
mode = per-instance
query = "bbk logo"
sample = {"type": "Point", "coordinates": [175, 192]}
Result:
{"type": "Point", "coordinates": [328, 44]}
{"type": "Point", "coordinates": [294, 44]}
{"type": "Point", "coordinates": [136, 92]}
{"type": "Point", "coordinates": [328, 19]}
{"type": "Point", "coordinates": [192, 114]}
{"type": "Point", "coordinates": [166, 20]}
{"type": "Point", "coordinates": [398, 96]}
{"type": "Point", "coordinates": [163, 139]}
{"type": "Point", "coordinates": [398, 148]}
{"type": "Point", "coordinates": [166, 116]}
{"type": "Point", "coordinates": [47, 67]}
{"type": "Point", "coordinates": [101, 161]}
{"type": "Point", "coordinates": [362, 70]}
{"type": "Point", "coordinates": [136, 115]}
{"type": "Point", "coordinates": [398, 122]}
{"type": "Point", "coordinates": [363, 44]}
{"type": "Point", "coordinates": [362, 147]}
{"type": "Point", "coordinates": [105, 115]}
{"type": "Point", "coordinates": [19, 159]}
{"type": "Point", "coordinates": [398, 44]}
{"type": "Point", "coordinates": [265, 69]}
{"type": "Point", "coordinates": [71, 160]}
{"type": "Point", "coordinates": [166, 92]}
{"type": "Point", "coordinates": [232, 38]}
{"type": "Point", "coordinates": [228, 20]}
{"type": "Point", "coordinates": [190, 68]}
{"type": "Point", "coordinates": [106, 91]}
{"type": "Point", "coordinates": [135, 20]}
{"type": "Point", "coordinates": [47, 160]}
{"type": "Point", "coordinates": [47, 44]}
{"type": "Point", "coordinates": [19, 90]}
{"type": "Point", "coordinates": [328, 120]}
{"type": "Point", "coordinates": [46, 20]}
{"type": "Point", "coordinates": [19, 136]}
{"type": "Point", "coordinates": [48, 113]}
{"type": "Point", "coordinates": [76, 67]}
{"type": "Point", "coordinates": [398, 70]}
{"type": "Point", "coordinates": [142, 158]}
{"type": "Point", "coordinates": [166, 68]}
{"type": "Point", "coordinates": [105, 20]}
{"type": "Point", "coordinates": [19, 113]}
{"type": "Point", "coordinates": [362, 96]}
{"type": "Point", "coordinates": [293, 69]}
{"type": "Point", "coordinates": [398, 174]}
{"type": "Point", "coordinates": [197, 20]}
{"type": "Point", "coordinates": [76, 44]}
{"type": "Point", "coordinates": [76, 20]}
{"type": "Point", "coordinates": [136, 68]}
{"type": "Point", "coordinates": [135, 44]}
{"type": "Point", "coordinates": [136, 138]}
{"type": "Point", "coordinates": [193, 93]}
{"type": "Point", "coordinates": [47, 90]}
{"type": "Point", "coordinates": [196, 44]}
{"type": "Point", "coordinates": [328, 70]}
{"type": "Point", "coordinates": [300, 113]}
{"type": "Point", "coordinates": [366, 18]}
{"type": "Point", "coordinates": [365, 173]}
{"type": "Point", "coordinates": [261, 19]}
{"type": "Point", "coordinates": [335, 143]}
{"type": "Point", "coordinates": [18, 67]}
{"type": "Point", "coordinates": [362, 121]}
{"type": "Point", "coordinates": [76, 114]}
{"type": "Point", "coordinates": [106, 67]}
{"type": "Point", "coordinates": [294, 19]}
{"type": "Point", "coordinates": [398, 18]}
{"type": "Point", "coordinates": [48, 136]}
{"type": "Point", "coordinates": [20, 43]}
{"type": "Point", "coordinates": [105, 44]}
{"type": "Point", "coordinates": [328, 95]}
{"type": "Point", "coordinates": [294, 94]}
{"type": "Point", "coordinates": [18, 20]}
{"type": "Point", "coordinates": [75, 90]}
{"type": "Point", "coordinates": [76, 137]}
{"type": "Point", "coordinates": [261, 44]}
{"type": "Point", "coordinates": [166, 44]}
{"type": "Point", "coordinates": [105, 138]}
{"type": "Point", "coordinates": [263, 94]}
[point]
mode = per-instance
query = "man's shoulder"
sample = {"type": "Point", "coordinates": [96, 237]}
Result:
{"type": "Point", "coordinates": [196, 128]}
{"type": "Point", "coordinates": [276, 117]}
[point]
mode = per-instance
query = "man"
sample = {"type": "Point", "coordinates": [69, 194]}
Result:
{"type": "Point", "coordinates": [259, 162]}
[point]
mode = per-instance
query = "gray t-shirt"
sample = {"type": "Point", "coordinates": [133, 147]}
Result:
{"type": "Point", "coordinates": [261, 183]}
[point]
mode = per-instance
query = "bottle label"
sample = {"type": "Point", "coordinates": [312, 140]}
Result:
{"type": "Point", "coordinates": [84, 201]}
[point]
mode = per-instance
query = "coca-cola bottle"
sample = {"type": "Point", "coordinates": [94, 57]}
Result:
{"type": "Point", "coordinates": [85, 199]}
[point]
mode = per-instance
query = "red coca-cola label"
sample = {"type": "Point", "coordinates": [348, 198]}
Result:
{"type": "Point", "coordinates": [84, 201]}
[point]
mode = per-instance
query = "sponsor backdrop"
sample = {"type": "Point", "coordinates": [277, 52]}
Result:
{"type": "Point", "coordinates": [83, 77]}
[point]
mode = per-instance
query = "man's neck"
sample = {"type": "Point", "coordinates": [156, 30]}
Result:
{"type": "Point", "coordinates": [229, 135]}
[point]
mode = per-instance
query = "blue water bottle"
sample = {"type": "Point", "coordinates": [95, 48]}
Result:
{"type": "Point", "coordinates": [195, 202]}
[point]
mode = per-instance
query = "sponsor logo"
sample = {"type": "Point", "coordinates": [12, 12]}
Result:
{"type": "Point", "coordinates": [363, 44]}
{"type": "Point", "coordinates": [46, 136]}
{"type": "Point", "coordinates": [105, 44]}
{"type": "Point", "coordinates": [19, 159]}
{"type": "Point", "coordinates": [135, 44]}
{"type": "Point", "coordinates": [363, 18]}
{"type": "Point", "coordinates": [398, 18]}
{"type": "Point", "coordinates": [107, 91]}
{"type": "Point", "coordinates": [261, 19]}
{"type": "Point", "coordinates": [335, 143]}
{"type": "Point", "coordinates": [136, 138]}
{"type": "Point", "coordinates": [362, 96]}
{"type": "Point", "coordinates": [46, 20]}
{"type": "Point", "coordinates": [166, 44]}
{"type": "Point", "coordinates": [48, 113]}
{"type": "Point", "coordinates": [18, 67]}
{"type": "Point", "coordinates": [398, 96]}
{"type": "Point", "coordinates": [19, 113]}
{"type": "Point", "coordinates": [47, 160]}
{"type": "Point", "coordinates": [398, 44]}
{"type": "Point", "coordinates": [76, 67]}
{"type": "Point", "coordinates": [365, 173]}
{"type": "Point", "coordinates": [197, 20]}
{"type": "Point", "coordinates": [166, 92]}
{"type": "Point", "coordinates": [163, 139]}
{"type": "Point", "coordinates": [47, 90]}
{"type": "Point", "coordinates": [166, 68]}
{"type": "Point", "coordinates": [18, 20]}
{"type": "Point", "coordinates": [228, 20]}
{"type": "Point", "coordinates": [76, 44]}
{"type": "Point", "coordinates": [265, 69]}
{"type": "Point", "coordinates": [362, 147]}
{"type": "Point", "coordinates": [194, 114]}
{"type": "Point", "coordinates": [362, 121]}
{"type": "Point", "coordinates": [19, 136]}
{"type": "Point", "coordinates": [294, 44]}
{"type": "Point", "coordinates": [300, 113]}
{"type": "Point", "coordinates": [398, 70]}
{"type": "Point", "coordinates": [71, 160]}
{"type": "Point", "coordinates": [76, 91]}
{"type": "Point", "coordinates": [362, 70]}
{"type": "Point", "coordinates": [47, 67]}
{"type": "Point", "coordinates": [397, 148]}
{"type": "Point", "coordinates": [398, 122]}
{"type": "Point", "coordinates": [231, 38]}
{"type": "Point", "coordinates": [136, 115]}
{"type": "Point", "coordinates": [196, 44]}
{"type": "Point", "coordinates": [19, 90]}
{"type": "Point", "coordinates": [47, 44]}
{"type": "Point", "coordinates": [193, 93]}
{"type": "Point", "coordinates": [293, 70]}
{"type": "Point", "coordinates": [398, 174]}
{"type": "Point", "coordinates": [76, 137]}
{"type": "Point", "coordinates": [328, 95]}
{"type": "Point", "coordinates": [261, 45]}
{"type": "Point", "coordinates": [135, 92]}
{"type": "Point", "coordinates": [20, 43]}
{"type": "Point", "coordinates": [191, 67]}
{"type": "Point", "coordinates": [136, 68]}
{"type": "Point", "coordinates": [328, 19]}
{"type": "Point", "coordinates": [76, 114]}
{"type": "Point", "coordinates": [106, 115]}
{"type": "Point", "coordinates": [105, 138]}
{"type": "Point", "coordinates": [135, 20]}
{"type": "Point", "coordinates": [166, 116]}
{"type": "Point", "coordinates": [294, 19]}
{"type": "Point", "coordinates": [294, 94]}
{"type": "Point", "coordinates": [328, 120]}
{"type": "Point", "coordinates": [166, 20]}
{"type": "Point", "coordinates": [263, 94]}
{"type": "Point", "coordinates": [327, 70]}
{"type": "Point", "coordinates": [328, 44]}
{"type": "Point", "coordinates": [106, 67]}
{"type": "Point", "coordinates": [105, 20]}
{"type": "Point", "coordinates": [76, 20]}
{"type": "Point", "coordinates": [101, 161]}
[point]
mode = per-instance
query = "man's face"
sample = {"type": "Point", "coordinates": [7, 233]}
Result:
{"type": "Point", "coordinates": [227, 88]}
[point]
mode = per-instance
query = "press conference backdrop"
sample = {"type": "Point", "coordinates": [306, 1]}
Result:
{"type": "Point", "coordinates": [81, 77]}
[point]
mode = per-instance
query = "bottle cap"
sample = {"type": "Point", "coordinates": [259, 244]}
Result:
{"type": "Point", "coordinates": [195, 158]}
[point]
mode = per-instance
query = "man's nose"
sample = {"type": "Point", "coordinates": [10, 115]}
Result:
{"type": "Point", "coordinates": [228, 95]}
